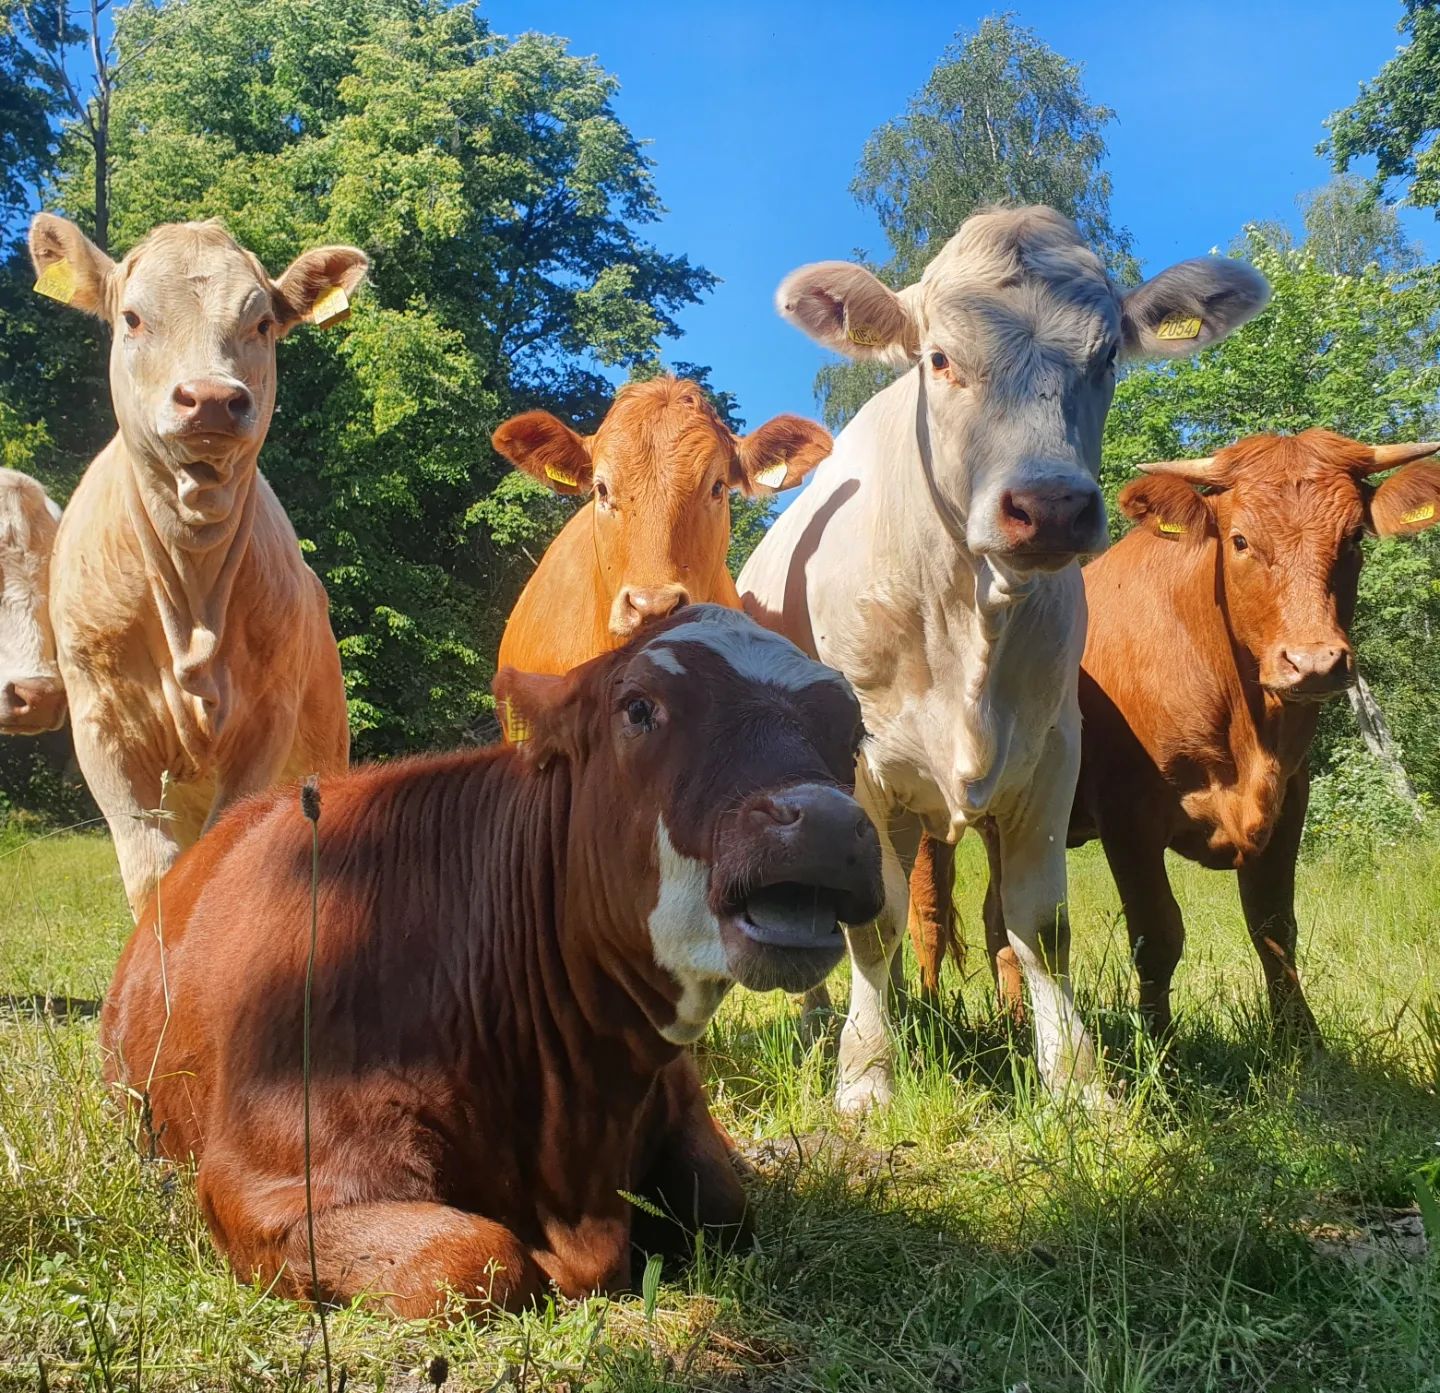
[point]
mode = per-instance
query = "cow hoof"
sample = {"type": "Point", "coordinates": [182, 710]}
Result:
{"type": "Point", "coordinates": [873, 1089]}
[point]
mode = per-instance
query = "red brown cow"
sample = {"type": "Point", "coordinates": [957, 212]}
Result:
{"type": "Point", "coordinates": [1217, 626]}
{"type": "Point", "coordinates": [655, 534]}
{"type": "Point", "coordinates": [515, 944]}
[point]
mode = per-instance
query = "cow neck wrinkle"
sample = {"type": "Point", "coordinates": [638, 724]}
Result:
{"type": "Point", "coordinates": [191, 570]}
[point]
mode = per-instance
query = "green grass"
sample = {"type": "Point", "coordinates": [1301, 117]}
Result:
{"type": "Point", "coordinates": [976, 1237]}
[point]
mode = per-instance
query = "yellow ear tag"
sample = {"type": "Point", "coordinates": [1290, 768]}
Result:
{"type": "Point", "coordinates": [1171, 529]}
{"type": "Point", "coordinates": [561, 477]}
{"type": "Point", "coordinates": [1178, 327]}
{"type": "Point", "coordinates": [1423, 513]}
{"type": "Point", "coordinates": [515, 726]}
{"type": "Point", "coordinates": [330, 308]}
{"type": "Point", "coordinates": [57, 281]}
{"type": "Point", "coordinates": [864, 336]}
{"type": "Point", "coordinates": [773, 476]}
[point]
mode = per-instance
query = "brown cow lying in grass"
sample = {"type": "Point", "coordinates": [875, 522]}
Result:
{"type": "Point", "coordinates": [1217, 626]}
{"type": "Point", "coordinates": [515, 946]}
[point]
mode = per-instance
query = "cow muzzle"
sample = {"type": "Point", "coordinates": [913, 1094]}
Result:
{"type": "Point", "coordinates": [32, 706]}
{"type": "Point", "coordinates": [1043, 527]}
{"type": "Point", "coordinates": [637, 605]}
{"type": "Point", "coordinates": [792, 865]}
{"type": "Point", "coordinates": [1310, 671]}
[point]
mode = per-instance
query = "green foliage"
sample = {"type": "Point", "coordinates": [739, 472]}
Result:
{"type": "Point", "coordinates": [1002, 118]}
{"type": "Point", "coordinates": [499, 198]}
{"type": "Point", "coordinates": [27, 101]}
{"type": "Point", "coordinates": [1355, 809]}
{"type": "Point", "coordinates": [1397, 114]}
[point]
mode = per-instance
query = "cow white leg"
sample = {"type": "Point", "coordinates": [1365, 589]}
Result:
{"type": "Point", "coordinates": [1033, 893]}
{"type": "Point", "coordinates": [866, 1075]}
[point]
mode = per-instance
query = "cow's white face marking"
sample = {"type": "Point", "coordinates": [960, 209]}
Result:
{"type": "Point", "coordinates": [665, 660]}
{"type": "Point", "coordinates": [751, 652]}
{"type": "Point", "coordinates": [685, 938]}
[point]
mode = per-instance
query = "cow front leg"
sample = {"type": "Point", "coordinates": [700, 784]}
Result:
{"type": "Point", "coordinates": [1267, 896]}
{"type": "Point", "coordinates": [689, 1174]}
{"type": "Point", "coordinates": [1033, 894]}
{"type": "Point", "coordinates": [147, 835]}
{"type": "Point", "coordinates": [1004, 965]}
{"type": "Point", "coordinates": [932, 920]}
{"type": "Point", "coordinates": [866, 1073]}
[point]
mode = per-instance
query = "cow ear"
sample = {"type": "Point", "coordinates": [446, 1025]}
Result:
{"type": "Point", "coordinates": [69, 267]}
{"type": "Point", "coordinates": [539, 714]}
{"type": "Point", "coordinates": [1407, 502]}
{"type": "Point", "coordinates": [318, 285]}
{"type": "Point", "coordinates": [847, 309]}
{"type": "Point", "coordinates": [1168, 507]}
{"type": "Point", "coordinates": [779, 455]}
{"type": "Point", "coordinates": [547, 450]}
{"type": "Point", "coordinates": [1190, 306]}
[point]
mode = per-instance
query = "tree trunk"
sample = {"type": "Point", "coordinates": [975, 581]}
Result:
{"type": "Point", "coordinates": [1375, 731]}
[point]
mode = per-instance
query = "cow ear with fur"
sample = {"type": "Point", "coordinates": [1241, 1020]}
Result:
{"type": "Point", "coordinates": [779, 455]}
{"type": "Point", "coordinates": [537, 713]}
{"type": "Point", "coordinates": [69, 267]}
{"type": "Point", "coordinates": [548, 450]}
{"type": "Point", "coordinates": [1190, 306]}
{"type": "Point", "coordinates": [317, 286]}
{"type": "Point", "coordinates": [1407, 502]}
{"type": "Point", "coordinates": [847, 309]}
{"type": "Point", "coordinates": [1170, 508]}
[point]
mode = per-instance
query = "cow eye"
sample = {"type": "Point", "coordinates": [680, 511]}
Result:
{"type": "Point", "coordinates": [1357, 538]}
{"type": "Point", "coordinates": [602, 490]}
{"type": "Point", "coordinates": [132, 320]}
{"type": "Point", "coordinates": [1240, 543]}
{"type": "Point", "coordinates": [640, 714]}
{"type": "Point", "coordinates": [264, 327]}
{"type": "Point", "coordinates": [1111, 356]}
{"type": "Point", "coordinates": [939, 361]}
{"type": "Point", "coordinates": [717, 489]}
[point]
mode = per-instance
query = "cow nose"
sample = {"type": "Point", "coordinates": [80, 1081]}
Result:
{"type": "Point", "coordinates": [816, 834]}
{"type": "Point", "coordinates": [1055, 519]}
{"type": "Point", "coordinates": [36, 702]}
{"type": "Point", "coordinates": [1315, 667]}
{"type": "Point", "coordinates": [638, 605]}
{"type": "Point", "coordinates": [210, 404]}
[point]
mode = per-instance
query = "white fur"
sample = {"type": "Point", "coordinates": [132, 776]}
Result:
{"type": "Point", "coordinates": [28, 519]}
{"type": "Point", "coordinates": [685, 938]}
{"type": "Point", "coordinates": [751, 652]}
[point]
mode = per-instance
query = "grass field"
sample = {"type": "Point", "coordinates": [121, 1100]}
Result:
{"type": "Point", "coordinates": [1230, 1224]}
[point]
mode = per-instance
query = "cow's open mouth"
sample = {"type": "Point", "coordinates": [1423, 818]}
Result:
{"type": "Point", "coordinates": [790, 915]}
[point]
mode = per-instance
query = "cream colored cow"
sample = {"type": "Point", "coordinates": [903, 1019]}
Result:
{"type": "Point", "coordinates": [32, 697]}
{"type": "Point", "coordinates": [194, 642]}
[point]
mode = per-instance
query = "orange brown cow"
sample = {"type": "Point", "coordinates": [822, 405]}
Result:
{"type": "Point", "coordinates": [654, 534]}
{"type": "Point", "coordinates": [1217, 627]}
{"type": "Point", "coordinates": [515, 944]}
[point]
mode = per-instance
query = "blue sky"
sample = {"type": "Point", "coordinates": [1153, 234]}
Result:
{"type": "Point", "coordinates": [756, 113]}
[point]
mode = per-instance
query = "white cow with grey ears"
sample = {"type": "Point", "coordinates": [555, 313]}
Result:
{"type": "Point", "coordinates": [933, 561]}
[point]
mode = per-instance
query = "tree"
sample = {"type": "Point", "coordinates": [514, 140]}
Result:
{"type": "Point", "coordinates": [1356, 350]}
{"type": "Point", "coordinates": [1002, 118]}
{"type": "Point", "coordinates": [500, 199]}
{"type": "Point", "coordinates": [1396, 116]}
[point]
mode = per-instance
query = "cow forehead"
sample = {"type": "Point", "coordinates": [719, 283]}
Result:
{"type": "Point", "coordinates": [661, 431]}
{"type": "Point", "coordinates": [194, 260]}
{"type": "Point", "coordinates": [753, 654]}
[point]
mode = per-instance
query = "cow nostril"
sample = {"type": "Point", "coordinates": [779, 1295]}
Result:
{"type": "Point", "coordinates": [14, 698]}
{"type": "Point", "coordinates": [184, 395]}
{"type": "Point", "coordinates": [785, 814]}
{"type": "Point", "coordinates": [1012, 511]}
{"type": "Point", "coordinates": [239, 403]}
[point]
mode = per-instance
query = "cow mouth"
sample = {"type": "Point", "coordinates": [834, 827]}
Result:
{"type": "Point", "coordinates": [784, 936]}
